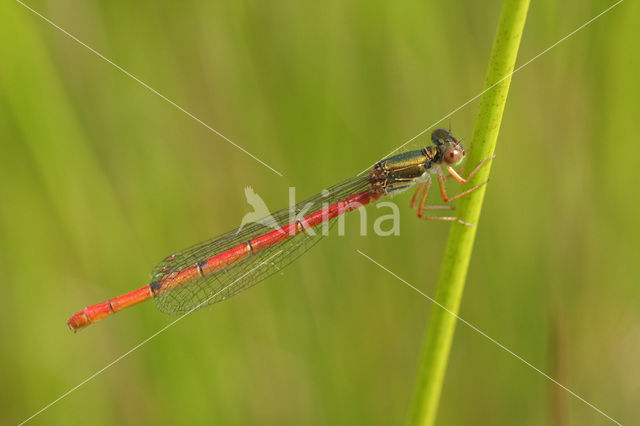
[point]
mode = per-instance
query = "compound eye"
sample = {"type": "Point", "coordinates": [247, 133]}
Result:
{"type": "Point", "coordinates": [453, 156]}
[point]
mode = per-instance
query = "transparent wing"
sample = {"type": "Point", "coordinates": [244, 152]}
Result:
{"type": "Point", "coordinates": [247, 272]}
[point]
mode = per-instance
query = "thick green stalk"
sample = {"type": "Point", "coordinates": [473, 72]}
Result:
{"type": "Point", "coordinates": [439, 334]}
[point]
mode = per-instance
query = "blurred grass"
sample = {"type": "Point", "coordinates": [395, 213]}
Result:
{"type": "Point", "coordinates": [99, 179]}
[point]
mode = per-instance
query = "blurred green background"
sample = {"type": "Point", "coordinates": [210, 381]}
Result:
{"type": "Point", "coordinates": [100, 178]}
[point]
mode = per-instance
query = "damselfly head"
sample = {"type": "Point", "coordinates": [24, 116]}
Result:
{"type": "Point", "coordinates": [450, 150]}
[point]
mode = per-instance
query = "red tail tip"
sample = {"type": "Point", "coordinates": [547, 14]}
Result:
{"type": "Point", "coordinates": [78, 320]}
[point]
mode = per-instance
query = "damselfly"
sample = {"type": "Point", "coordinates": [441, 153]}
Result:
{"type": "Point", "coordinates": [219, 268]}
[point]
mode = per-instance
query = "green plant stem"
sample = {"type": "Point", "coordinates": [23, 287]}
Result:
{"type": "Point", "coordinates": [439, 335]}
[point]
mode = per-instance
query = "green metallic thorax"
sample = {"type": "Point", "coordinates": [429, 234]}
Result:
{"type": "Point", "coordinates": [406, 169]}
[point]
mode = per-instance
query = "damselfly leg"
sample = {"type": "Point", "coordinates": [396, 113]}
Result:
{"type": "Point", "coordinates": [456, 176]}
{"type": "Point", "coordinates": [423, 188]}
{"type": "Point", "coordinates": [422, 206]}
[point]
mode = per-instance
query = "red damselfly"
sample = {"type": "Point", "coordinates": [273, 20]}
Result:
{"type": "Point", "coordinates": [221, 267]}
